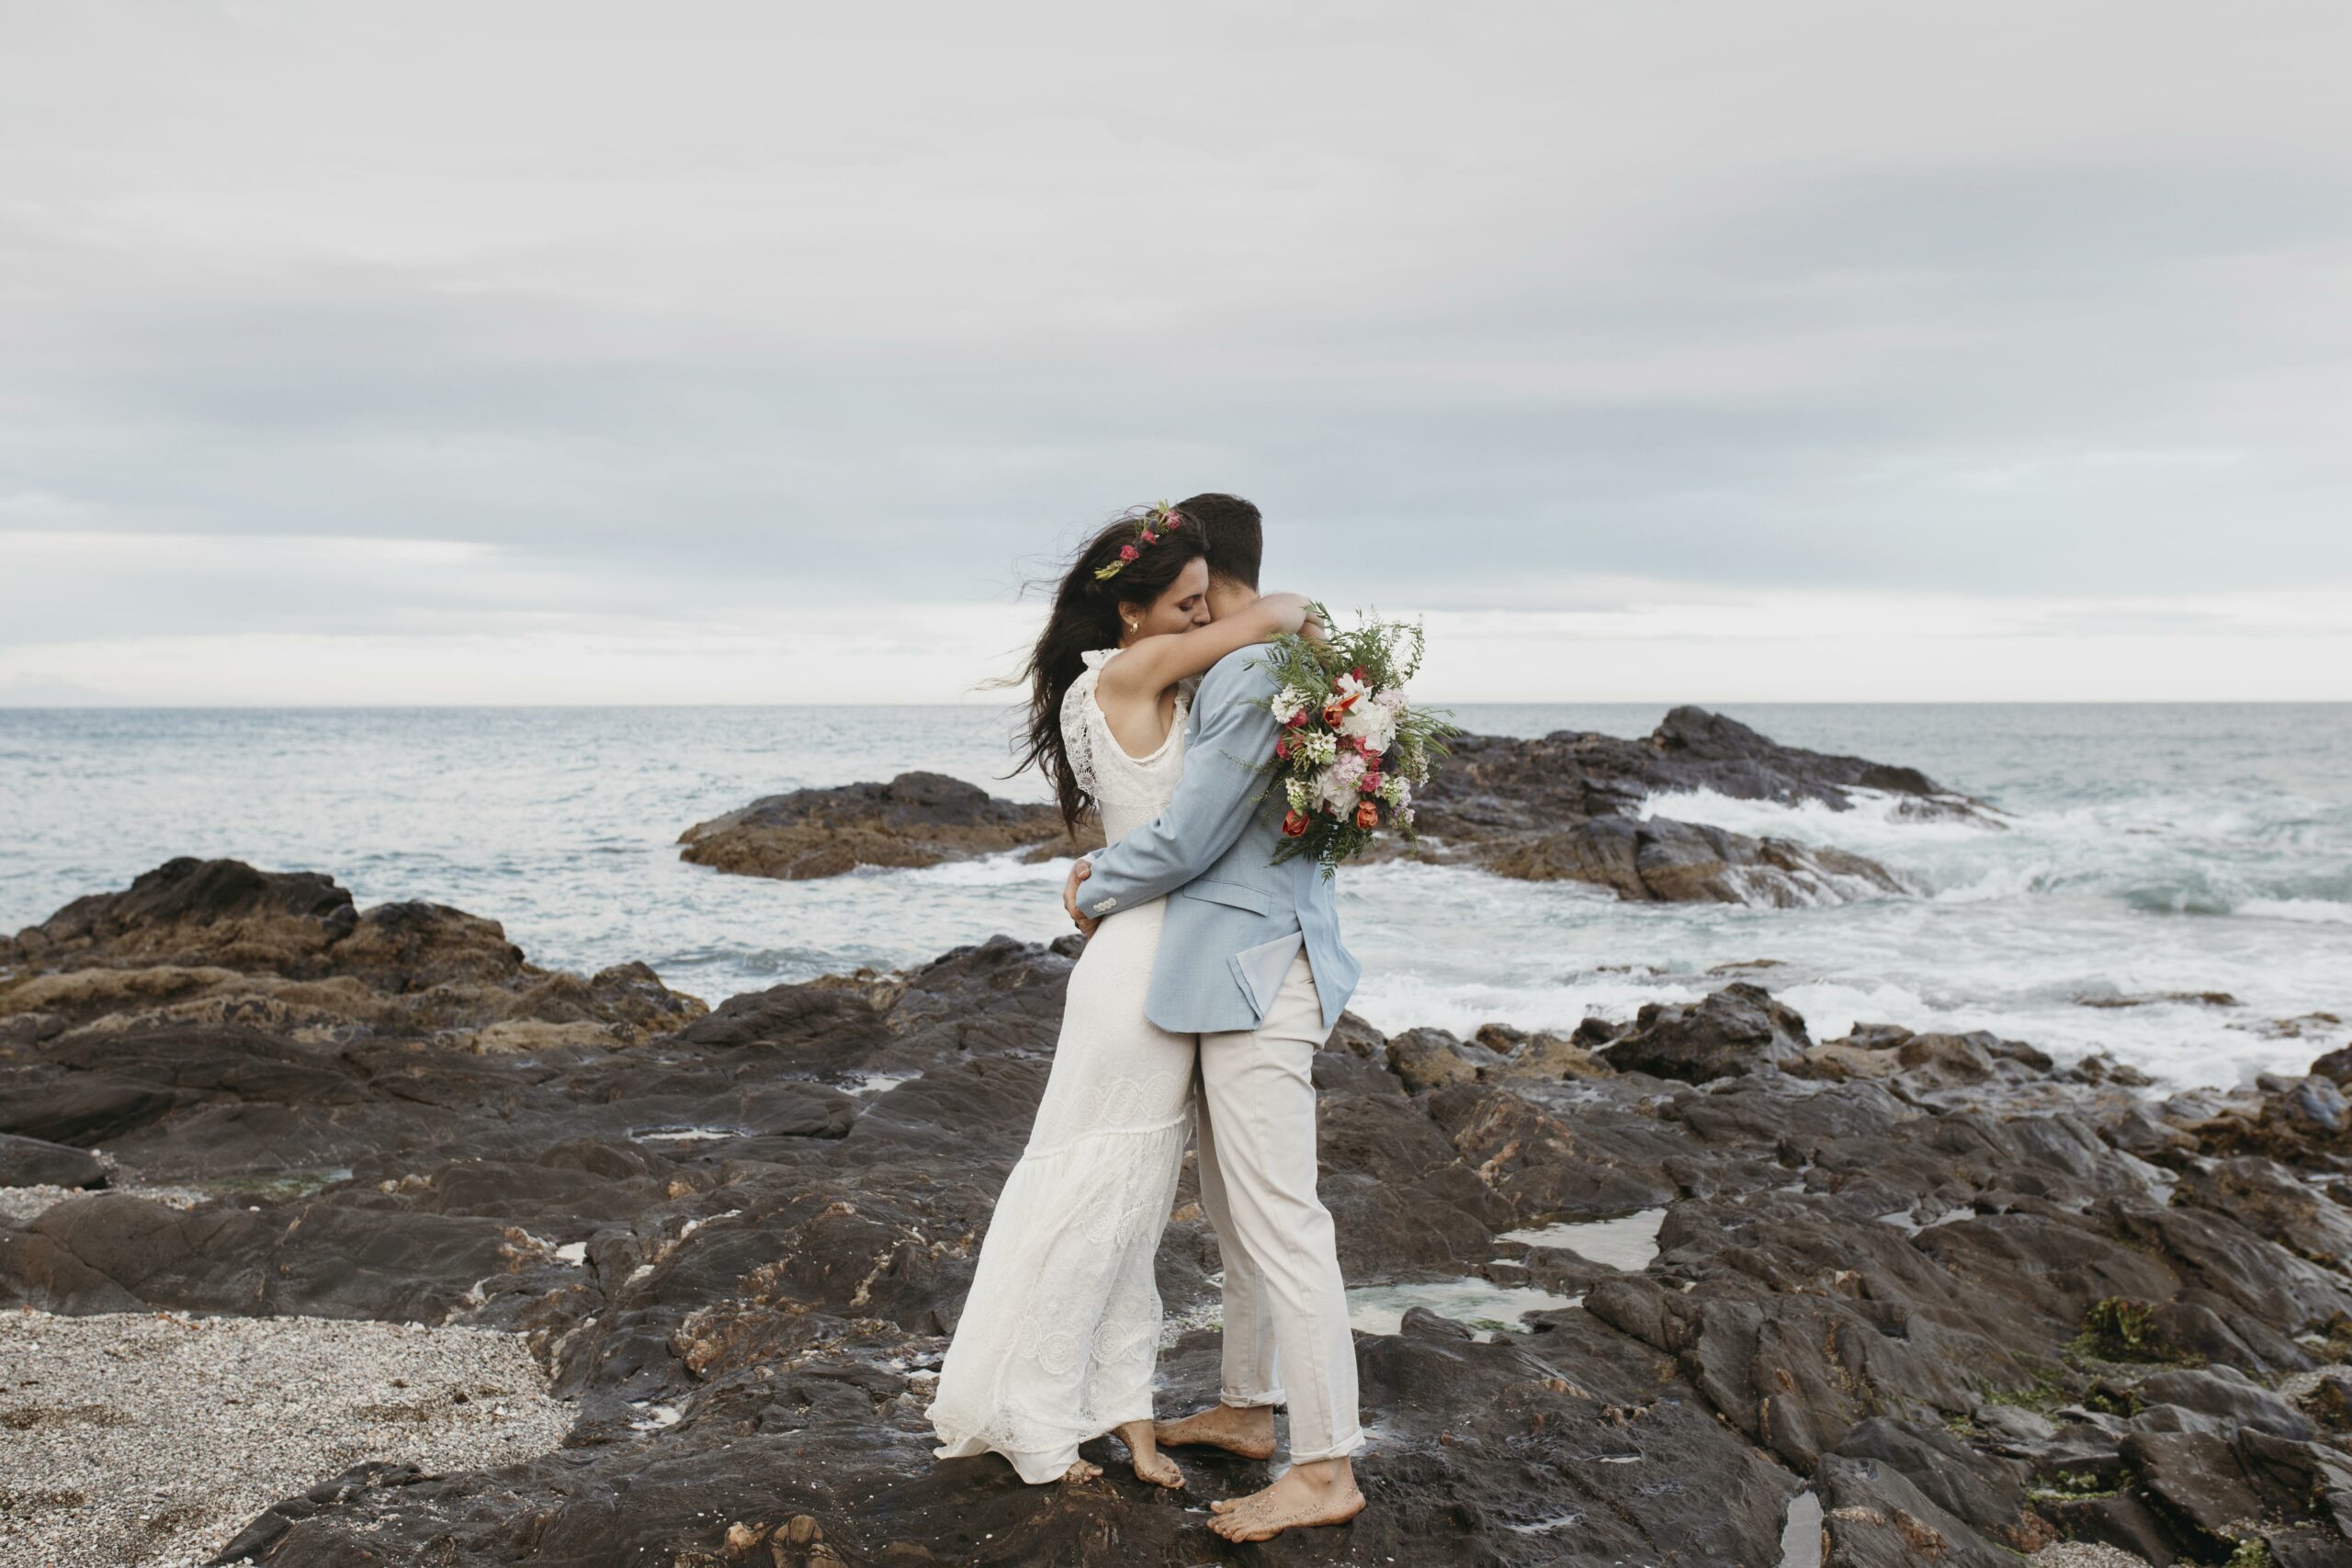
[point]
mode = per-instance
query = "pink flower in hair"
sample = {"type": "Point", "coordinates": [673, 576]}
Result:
{"type": "Point", "coordinates": [1128, 552]}
{"type": "Point", "coordinates": [1150, 537]}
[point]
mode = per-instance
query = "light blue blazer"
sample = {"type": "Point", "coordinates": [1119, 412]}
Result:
{"type": "Point", "coordinates": [1236, 921]}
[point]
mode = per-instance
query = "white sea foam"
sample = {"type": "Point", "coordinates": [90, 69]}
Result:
{"type": "Point", "coordinates": [1486, 1307]}
{"type": "Point", "coordinates": [1832, 1009]}
{"type": "Point", "coordinates": [2304, 911]}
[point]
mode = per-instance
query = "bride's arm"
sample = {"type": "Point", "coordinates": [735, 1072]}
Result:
{"type": "Point", "coordinates": [1152, 664]}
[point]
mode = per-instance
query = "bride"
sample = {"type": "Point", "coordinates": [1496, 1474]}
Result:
{"type": "Point", "coordinates": [1060, 1336]}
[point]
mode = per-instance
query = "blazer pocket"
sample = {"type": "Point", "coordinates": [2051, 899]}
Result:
{"type": "Point", "coordinates": [1237, 894]}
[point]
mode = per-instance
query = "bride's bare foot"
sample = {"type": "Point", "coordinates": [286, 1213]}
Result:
{"type": "Point", "coordinates": [1150, 1463]}
{"type": "Point", "coordinates": [1082, 1470]}
{"type": "Point", "coordinates": [1247, 1430]}
{"type": "Point", "coordinates": [1308, 1495]}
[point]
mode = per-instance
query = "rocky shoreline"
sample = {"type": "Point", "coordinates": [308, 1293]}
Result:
{"type": "Point", "coordinates": [1570, 807]}
{"type": "Point", "coordinates": [1721, 1293]}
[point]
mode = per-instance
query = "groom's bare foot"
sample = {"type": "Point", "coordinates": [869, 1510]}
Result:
{"type": "Point", "coordinates": [1307, 1495]}
{"type": "Point", "coordinates": [1247, 1430]}
{"type": "Point", "coordinates": [1150, 1463]}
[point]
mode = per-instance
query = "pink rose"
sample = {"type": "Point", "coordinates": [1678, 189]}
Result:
{"type": "Point", "coordinates": [1128, 552]}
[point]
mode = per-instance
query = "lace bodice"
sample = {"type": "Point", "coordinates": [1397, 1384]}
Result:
{"type": "Point", "coordinates": [1129, 790]}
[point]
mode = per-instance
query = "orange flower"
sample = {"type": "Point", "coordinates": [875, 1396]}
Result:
{"type": "Point", "coordinates": [1367, 816]}
{"type": "Point", "coordinates": [1334, 712]}
{"type": "Point", "coordinates": [1295, 825]}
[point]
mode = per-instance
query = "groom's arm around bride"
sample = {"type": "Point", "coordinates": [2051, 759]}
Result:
{"type": "Point", "coordinates": [1236, 920]}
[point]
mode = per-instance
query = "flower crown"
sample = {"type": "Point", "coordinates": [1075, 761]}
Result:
{"type": "Point", "coordinates": [1159, 520]}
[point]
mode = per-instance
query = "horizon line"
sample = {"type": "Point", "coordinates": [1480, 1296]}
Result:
{"type": "Point", "coordinates": [1441, 702]}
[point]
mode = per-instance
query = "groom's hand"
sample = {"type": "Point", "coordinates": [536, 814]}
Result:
{"type": "Point", "coordinates": [1078, 873]}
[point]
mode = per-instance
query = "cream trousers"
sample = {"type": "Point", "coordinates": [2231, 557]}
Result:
{"type": "Point", "coordinates": [1287, 1334]}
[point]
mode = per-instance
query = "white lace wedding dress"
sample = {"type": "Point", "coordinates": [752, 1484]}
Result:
{"type": "Point", "coordinates": [1060, 1336]}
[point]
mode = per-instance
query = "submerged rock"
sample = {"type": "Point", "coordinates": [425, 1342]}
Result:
{"type": "Point", "coordinates": [916, 819]}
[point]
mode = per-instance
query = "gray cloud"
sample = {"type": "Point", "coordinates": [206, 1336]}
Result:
{"type": "Point", "coordinates": [737, 308]}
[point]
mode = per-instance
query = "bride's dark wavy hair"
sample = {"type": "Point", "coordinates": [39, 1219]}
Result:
{"type": "Point", "coordinates": [1086, 616]}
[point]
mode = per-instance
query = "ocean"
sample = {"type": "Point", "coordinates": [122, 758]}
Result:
{"type": "Point", "coordinates": [2174, 887]}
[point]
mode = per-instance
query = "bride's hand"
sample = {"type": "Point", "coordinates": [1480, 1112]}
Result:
{"type": "Point", "coordinates": [1292, 611]}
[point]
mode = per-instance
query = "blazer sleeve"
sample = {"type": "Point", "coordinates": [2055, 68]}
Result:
{"type": "Point", "coordinates": [1214, 801]}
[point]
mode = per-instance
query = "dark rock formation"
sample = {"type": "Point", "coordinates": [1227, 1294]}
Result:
{"type": "Point", "coordinates": [1972, 1302]}
{"type": "Point", "coordinates": [1739, 1028]}
{"type": "Point", "coordinates": [31, 1162]}
{"type": "Point", "coordinates": [1498, 785]}
{"type": "Point", "coordinates": [915, 819]}
{"type": "Point", "coordinates": [1563, 809]}
{"type": "Point", "coordinates": [1567, 808]}
{"type": "Point", "coordinates": [216, 944]}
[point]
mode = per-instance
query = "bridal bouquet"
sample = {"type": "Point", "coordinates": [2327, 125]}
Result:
{"type": "Point", "coordinates": [1353, 747]}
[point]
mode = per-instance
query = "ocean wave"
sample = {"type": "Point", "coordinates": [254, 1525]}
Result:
{"type": "Point", "coordinates": [2302, 911]}
{"type": "Point", "coordinates": [2018, 880]}
{"type": "Point", "coordinates": [1005, 870]}
{"type": "Point", "coordinates": [1876, 820]}
{"type": "Point", "coordinates": [1398, 998]}
{"type": "Point", "coordinates": [1831, 1010]}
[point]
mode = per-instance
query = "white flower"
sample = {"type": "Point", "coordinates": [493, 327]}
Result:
{"type": "Point", "coordinates": [1397, 791]}
{"type": "Point", "coordinates": [1371, 723]}
{"type": "Point", "coordinates": [1348, 686]}
{"type": "Point", "coordinates": [1334, 794]}
{"type": "Point", "coordinates": [1284, 704]}
{"type": "Point", "coordinates": [1319, 749]}
{"type": "Point", "coordinates": [1301, 792]}
{"type": "Point", "coordinates": [1392, 698]}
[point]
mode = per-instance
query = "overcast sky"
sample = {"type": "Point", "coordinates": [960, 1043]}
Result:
{"type": "Point", "coordinates": [582, 351]}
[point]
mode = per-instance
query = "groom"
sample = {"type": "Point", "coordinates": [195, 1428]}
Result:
{"type": "Point", "coordinates": [1250, 961]}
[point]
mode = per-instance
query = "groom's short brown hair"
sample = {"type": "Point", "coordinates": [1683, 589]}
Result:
{"type": "Point", "coordinates": [1236, 533]}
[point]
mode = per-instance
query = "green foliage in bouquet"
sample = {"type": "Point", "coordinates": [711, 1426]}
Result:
{"type": "Point", "coordinates": [1354, 748]}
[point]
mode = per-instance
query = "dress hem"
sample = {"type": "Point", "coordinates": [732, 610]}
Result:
{"type": "Point", "coordinates": [1058, 1459]}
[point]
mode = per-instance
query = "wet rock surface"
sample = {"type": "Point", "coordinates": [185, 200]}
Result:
{"type": "Point", "coordinates": [1569, 806]}
{"type": "Point", "coordinates": [916, 819]}
{"type": "Point", "coordinates": [1967, 1301]}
